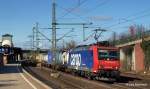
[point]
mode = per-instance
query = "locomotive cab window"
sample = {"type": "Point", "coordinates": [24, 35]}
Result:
{"type": "Point", "coordinates": [114, 54]}
{"type": "Point", "coordinates": [103, 54]}
{"type": "Point", "coordinates": [108, 54]}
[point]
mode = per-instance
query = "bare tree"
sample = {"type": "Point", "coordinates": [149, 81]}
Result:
{"type": "Point", "coordinates": [70, 44]}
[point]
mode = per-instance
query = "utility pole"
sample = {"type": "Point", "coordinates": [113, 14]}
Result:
{"type": "Point", "coordinates": [114, 38]}
{"type": "Point", "coordinates": [33, 43]}
{"type": "Point", "coordinates": [37, 41]}
{"type": "Point", "coordinates": [84, 32]}
{"type": "Point", "coordinates": [37, 35]}
{"type": "Point", "coordinates": [33, 34]}
{"type": "Point", "coordinates": [54, 29]}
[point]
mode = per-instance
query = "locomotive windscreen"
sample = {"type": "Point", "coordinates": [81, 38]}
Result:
{"type": "Point", "coordinates": [108, 54]}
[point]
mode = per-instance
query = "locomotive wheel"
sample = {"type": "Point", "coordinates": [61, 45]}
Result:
{"type": "Point", "coordinates": [118, 78]}
{"type": "Point", "coordinates": [89, 76]}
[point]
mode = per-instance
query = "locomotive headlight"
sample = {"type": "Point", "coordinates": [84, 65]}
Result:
{"type": "Point", "coordinates": [116, 67]}
{"type": "Point", "coordinates": [95, 71]}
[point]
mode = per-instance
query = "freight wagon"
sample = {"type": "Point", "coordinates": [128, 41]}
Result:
{"type": "Point", "coordinates": [48, 60]}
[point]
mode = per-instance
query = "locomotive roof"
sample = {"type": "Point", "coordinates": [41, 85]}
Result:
{"type": "Point", "coordinates": [82, 46]}
{"type": "Point", "coordinates": [101, 43]}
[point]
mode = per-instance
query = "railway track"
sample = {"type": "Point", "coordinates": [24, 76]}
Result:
{"type": "Point", "coordinates": [68, 81]}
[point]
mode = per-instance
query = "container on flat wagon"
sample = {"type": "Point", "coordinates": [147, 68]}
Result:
{"type": "Point", "coordinates": [81, 60]}
{"type": "Point", "coordinates": [59, 59]}
{"type": "Point", "coordinates": [45, 57]}
{"type": "Point", "coordinates": [65, 58]}
{"type": "Point", "coordinates": [49, 57]}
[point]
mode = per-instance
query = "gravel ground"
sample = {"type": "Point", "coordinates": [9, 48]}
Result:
{"type": "Point", "coordinates": [59, 80]}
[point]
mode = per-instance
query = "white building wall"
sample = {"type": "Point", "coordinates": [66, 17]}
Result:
{"type": "Point", "coordinates": [133, 59]}
{"type": "Point", "coordinates": [122, 55]}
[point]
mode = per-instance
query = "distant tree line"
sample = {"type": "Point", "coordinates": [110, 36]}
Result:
{"type": "Point", "coordinates": [135, 32]}
{"type": "Point", "coordinates": [68, 45]}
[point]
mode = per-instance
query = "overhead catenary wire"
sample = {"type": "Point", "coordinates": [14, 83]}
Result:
{"type": "Point", "coordinates": [139, 17]}
{"type": "Point", "coordinates": [137, 13]}
{"type": "Point", "coordinates": [97, 6]}
{"type": "Point", "coordinates": [68, 12]}
{"type": "Point", "coordinates": [129, 19]}
{"type": "Point", "coordinates": [76, 15]}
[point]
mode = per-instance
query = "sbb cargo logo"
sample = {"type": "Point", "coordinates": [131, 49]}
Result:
{"type": "Point", "coordinates": [75, 59]}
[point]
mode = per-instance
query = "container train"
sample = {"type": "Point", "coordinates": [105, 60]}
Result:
{"type": "Point", "coordinates": [91, 61]}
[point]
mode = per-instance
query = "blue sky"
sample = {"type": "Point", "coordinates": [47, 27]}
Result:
{"type": "Point", "coordinates": [17, 17]}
